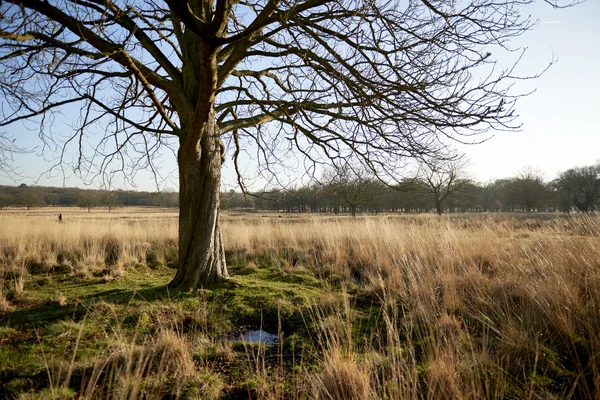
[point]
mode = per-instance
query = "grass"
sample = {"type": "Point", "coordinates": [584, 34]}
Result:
{"type": "Point", "coordinates": [486, 306]}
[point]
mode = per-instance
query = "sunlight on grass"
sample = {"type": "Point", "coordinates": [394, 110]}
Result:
{"type": "Point", "coordinates": [485, 306]}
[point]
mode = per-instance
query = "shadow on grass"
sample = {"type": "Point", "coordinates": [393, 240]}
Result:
{"type": "Point", "coordinates": [52, 311]}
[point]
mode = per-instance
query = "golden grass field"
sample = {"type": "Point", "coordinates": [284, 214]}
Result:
{"type": "Point", "coordinates": [391, 306]}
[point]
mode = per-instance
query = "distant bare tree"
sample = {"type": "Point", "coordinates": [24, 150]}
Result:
{"type": "Point", "coordinates": [581, 186]}
{"type": "Point", "coordinates": [528, 189]}
{"type": "Point", "coordinates": [110, 200]}
{"type": "Point", "coordinates": [352, 186]}
{"type": "Point", "coordinates": [442, 178]}
{"type": "Point", "coordinates": [4, 201]}
{"type": "Point", "coordinates": [239, 201]}
{"type": "Point", "coordinates": [29, 199]}
{"type": "Point", "coordinates": [168, 198]}
{"type": "Point", "coordinates": [88, 201]}
{"type": "Point", "coordinates": [496, 206]}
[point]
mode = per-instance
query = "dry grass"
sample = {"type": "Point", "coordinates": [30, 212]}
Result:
{"type": "Point", "coordinates": [462, 307]}
{"type": "Point", "coordinates": [479, 299]}
{"type": "Point", "coordinates": [85, 242]}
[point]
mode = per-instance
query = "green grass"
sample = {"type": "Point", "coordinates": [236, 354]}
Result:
{"type": "Point", "coordinates": [41, 338]}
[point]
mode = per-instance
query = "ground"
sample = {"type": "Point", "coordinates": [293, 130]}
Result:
{"type": "Point", "coordinates": [389, 306]}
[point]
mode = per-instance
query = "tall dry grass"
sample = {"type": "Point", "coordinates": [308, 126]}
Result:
{"type": "Point", "coordinates": [479, 307]}
{"type": "Point", "coordinates": [492, 307]}
{"type": "Point", "coordinates": [87, 243]}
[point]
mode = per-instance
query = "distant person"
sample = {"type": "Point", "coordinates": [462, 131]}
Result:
{"type": "Point", "coordinates": [60, 217]}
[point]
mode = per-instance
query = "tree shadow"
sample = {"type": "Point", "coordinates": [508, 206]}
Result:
{"type": "Point", "coordinates": [77, 309]}
{"type": "Point", "coordinates": [52, 311]}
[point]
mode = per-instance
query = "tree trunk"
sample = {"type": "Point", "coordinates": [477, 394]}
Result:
{"type": "Point", "coordinates": [201, 251]}
{"type": "Point", "coordinates": [438, 208]}
{"type": "Point", "coordinates": [581, 206]}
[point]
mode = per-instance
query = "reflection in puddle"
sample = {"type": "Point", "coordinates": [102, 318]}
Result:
{"type": "Point", "coordinates": [258, 336]}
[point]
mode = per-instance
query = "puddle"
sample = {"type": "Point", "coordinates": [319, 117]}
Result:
{"type": "Point", "coordinates": [258, 336]}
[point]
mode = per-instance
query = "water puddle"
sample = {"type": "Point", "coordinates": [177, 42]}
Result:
{"type": "Point", "coordinates": [258, 336]}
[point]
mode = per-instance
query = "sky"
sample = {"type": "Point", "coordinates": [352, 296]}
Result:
{"type": "Point", "coordinates": [559, 121]}
{"type": "Point", "coordinates": [559, 129]}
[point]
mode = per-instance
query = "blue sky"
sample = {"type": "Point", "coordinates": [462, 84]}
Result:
{"type": "Point", "coordinates": [559, 128]}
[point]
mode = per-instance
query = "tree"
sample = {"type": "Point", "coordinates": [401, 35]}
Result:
{"type": "Point", "coordinates": [528, 190]}
{"type": "Point", "coordinates": [488, 196]}
{"type": "Point", "coordinates": [88, 201]}
{"type": "Point", "coordinates": [51, 198]}
{"type": "Point", "coordinates": [238, 201]}
{"type": "Point", "coordinates": [466, 197]}
{"type": "Point", "coordinates": [581, 185]}
{"type": "Point", "coordinates": [28, 199]}
{"type": "Point", "coordinates": [499, 190]}
{"type": "Point", "coordinates": [352, 187]}
{"type": "Point", "coordinates": [442, 178]}
{"type": "Point", "coordinates": [111, 200]}
{"type": "Point", "coordinates": [412, 199]}
{"type": "Point", "coordinates": [168, 198]}
{"type": "Point", "coordinates": [4, 201]}
{"type": "Point", "coordinates": [333, 78]}
{"type": "Point", "coordinates": [496, 206]}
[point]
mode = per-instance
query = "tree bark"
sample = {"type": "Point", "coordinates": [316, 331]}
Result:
{"type": "Point", "coordinates": [201, 251]}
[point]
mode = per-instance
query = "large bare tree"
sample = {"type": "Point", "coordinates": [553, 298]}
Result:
{"type": "Point", "coordinates": [383, 80]}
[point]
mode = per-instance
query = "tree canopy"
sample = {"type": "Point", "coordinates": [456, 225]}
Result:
{"type": "Point", "coordinates": [337, 77]}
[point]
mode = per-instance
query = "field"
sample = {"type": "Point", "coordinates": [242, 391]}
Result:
{"type": "Point", "coordinates": [391, 306]}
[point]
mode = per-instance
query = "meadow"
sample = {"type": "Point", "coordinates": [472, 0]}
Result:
{"type": "Point", "coordinates": [491, 306]}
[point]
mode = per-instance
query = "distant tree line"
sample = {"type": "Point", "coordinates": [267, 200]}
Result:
{"type": "Point", "coordinates": [436, 187]}
{"type": "Point", "coordinates": [40, 196]}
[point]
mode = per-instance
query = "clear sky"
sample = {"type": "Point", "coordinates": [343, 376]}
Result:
{"type": "Point", "coordinates": [559, 129]}
{"type": "Point", "coordinates": [559, 121]}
